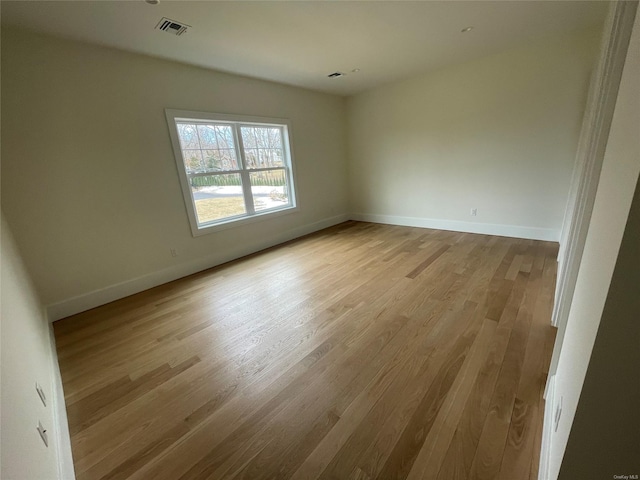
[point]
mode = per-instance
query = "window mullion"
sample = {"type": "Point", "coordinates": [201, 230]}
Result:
{"type": "Point", "coordinates": [212, 173]}
{"type": "Point", "coordinates": [267, 169]}
{"type": "Point", "coordinates": [244, 173]}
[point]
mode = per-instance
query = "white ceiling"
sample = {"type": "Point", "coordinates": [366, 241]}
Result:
{"type": "Point", "coordinates": [299, 43]}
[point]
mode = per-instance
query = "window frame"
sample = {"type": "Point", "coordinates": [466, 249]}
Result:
{"type": "Point", "coordinates": [237, 121]}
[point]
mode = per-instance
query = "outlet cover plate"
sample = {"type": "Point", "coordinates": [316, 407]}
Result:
{"type": "Point", "coordinates": [41, 394]}
{"type": "Point", "coordinates": [43, 434]}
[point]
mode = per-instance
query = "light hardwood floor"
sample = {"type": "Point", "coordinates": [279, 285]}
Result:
{"type": "Point", "coordinates": [362, 351]}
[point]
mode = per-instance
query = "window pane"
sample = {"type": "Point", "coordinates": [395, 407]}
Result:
{"type": "Point", "coordinates": [248, 137]}
{"type": "Point", "coordinates": [270, 157]}
{"type": "Point", "coordinates": [251, 157]}
{"type": "Point", "coordinates": [193, 161]}
{"type": "Point", "coordinates": [269, 189]}
{"type": "Point", "coordinates": [188, 136]}
{"type": "Point", "coordinates": [225, 137]}
{"type": "Point", "coordinates": [217, 197]}
{"type": "Point", "coordinates": [219, 160]}
{"type": "Point", "coordinates": [207, 136]}
{"type": "Point", "coordinates": [263, 146]}
{"type": "Point", "coordinates": [207, 148]}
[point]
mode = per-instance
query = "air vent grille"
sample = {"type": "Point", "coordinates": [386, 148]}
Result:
{"type": "Point", "coordinates": [172, 26]}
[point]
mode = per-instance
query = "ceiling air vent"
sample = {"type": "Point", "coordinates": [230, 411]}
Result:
{"type": "Point", "coordinates": [336, 75]}
{"type": "Point", "coordinates": [171, 26]}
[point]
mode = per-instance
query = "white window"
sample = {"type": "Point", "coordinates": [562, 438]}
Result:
{"type": "Point", "coordinates": [232, 168]}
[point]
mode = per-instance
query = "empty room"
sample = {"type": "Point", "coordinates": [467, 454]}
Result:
{"type": "Point", "coordinates": [320, 240]}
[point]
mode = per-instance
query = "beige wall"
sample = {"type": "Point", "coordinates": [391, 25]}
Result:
{"type": "Point", "coordinates": [498, 134]}
{"type": "Point", "coordinates": [89, 181]}
{"type": "Point", "coordinates": [618, 180]}
{"type": "Point", "coordinates": [90, 187]}
{"type": "Point", "coordinates": [27, 357]}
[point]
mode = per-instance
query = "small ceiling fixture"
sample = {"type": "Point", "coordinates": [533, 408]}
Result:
{"type": "Point", "coordinates": [172, 26]}
{"type": "Point", "coordinates": [336, 75]}
{"type": "Point", "coordinates": [355, 70]}
{"type": "Point", "coordinates": [465, 30]}
{"type": "Point", "coordinates": [152, 2]}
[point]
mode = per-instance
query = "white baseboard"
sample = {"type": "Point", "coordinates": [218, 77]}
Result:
{"type": "Point", "coordinates": [533, 233]}
{"type": "Point", "coordinates": [93, 299]}
{"type": "Point", "coordinates": [547, 429]}
{"type": "Point", "coordinates": [62, 439]}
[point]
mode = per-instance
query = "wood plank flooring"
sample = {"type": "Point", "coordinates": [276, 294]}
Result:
{"type": "Point", "coordinates": [362, 351]}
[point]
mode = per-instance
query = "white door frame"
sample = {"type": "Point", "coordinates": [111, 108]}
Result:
{"type": "Point", "coordinates": [601, 101]}
{"type": "Point", "coordinates": [594, 134]}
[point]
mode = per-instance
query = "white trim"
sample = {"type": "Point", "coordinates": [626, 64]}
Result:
{"type": "Point", "coordinates": [236, 122]}
{"type": "Point", "coordinates": [93, 299]}
{"type": "Point", "coordinates": [517, 231]}
{"type": "Point", "coordinates": [584, 185]}
{"type": "Point", "coordinates": [62, 442]}
{"type": "Point", "coordinates": [547, 429]}
{"type": "Point", "coordinates": [601, 101]}
{"type": "Point", "coordinates": [233, 222]}
{"type": "Point", "coordinates": [205, 116]}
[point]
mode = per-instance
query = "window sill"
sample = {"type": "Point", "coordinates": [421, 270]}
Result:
{"type": "Point", "coordinates": [240, 221]}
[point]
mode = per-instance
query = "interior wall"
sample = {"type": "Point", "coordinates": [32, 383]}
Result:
{"type": "Point", "coordinates": [618, 180]}
{"type": "Point", "coordinates": [605, 437]}
{"type": "Point", "coordinates": [27, 358]}
{"type": "Point", "coordinates": [497, 134]}
{"type": "Point", "coordinates": [89, 181]}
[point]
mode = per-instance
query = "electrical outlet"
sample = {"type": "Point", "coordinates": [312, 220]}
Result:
{"type": "Point", "coordinates": [43, 434]}
{"type": "Point", "coordinates": [557, 415]}
{"type": "Point", "coordinates": [41, 394]}
{"type": "Point", "coordinates": [474, 212]}
{"type": "Point", "coordinates": [174, 253]}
